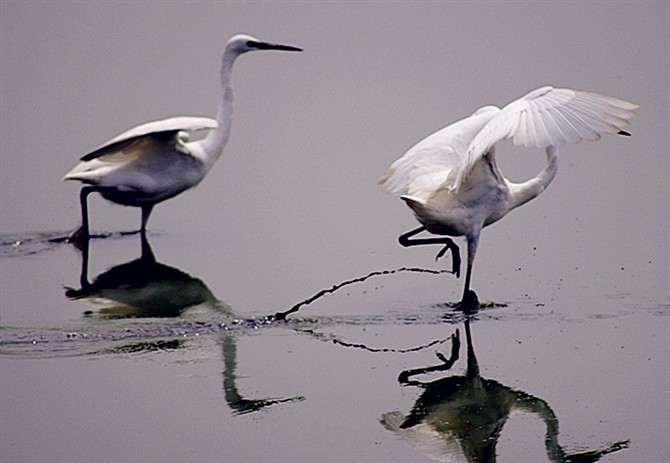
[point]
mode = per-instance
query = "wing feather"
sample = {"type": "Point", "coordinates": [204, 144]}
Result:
{"type": "Point", "coordinates": [171, 125]}
{"type": "Point", "coordinates": [434, 161]}
{"type": "Point", "coordinates": [146, 147]}
{"type": "Point", "coordinates": [546, 117]}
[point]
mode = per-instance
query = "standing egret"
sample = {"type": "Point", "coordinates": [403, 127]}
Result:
{"type": "Point", "coordinates": [155, 161]}
{"type": "Point", "coordinates": [452, 183]}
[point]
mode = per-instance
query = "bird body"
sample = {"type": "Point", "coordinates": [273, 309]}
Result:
{"type": "Point", "coordinates": [156, 161]}
{"type": "Point", "coordinates": [451, 180]}
{"type": "Point", "coordinates": [148, 164]}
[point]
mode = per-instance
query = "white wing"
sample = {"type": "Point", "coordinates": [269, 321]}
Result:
{"type": "Point", "coordinates": [147, 148]}
{"type": "Point", "coordinates": [549, 117]}
{"type": "Point", "coordinates": [436, 159]}
{"type": "Point", "coordinates": [171, 124]}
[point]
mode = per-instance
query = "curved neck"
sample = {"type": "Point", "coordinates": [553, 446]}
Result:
{"type": "Point", "coordinates": [521, 193]}
{"type": "Point", "coordinates": [538, 407]}
{"type": "Point", "coordinates": [216, 140]}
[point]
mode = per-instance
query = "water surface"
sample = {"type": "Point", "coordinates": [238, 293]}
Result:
{"type": "Point", "coordinates": [176, 357]}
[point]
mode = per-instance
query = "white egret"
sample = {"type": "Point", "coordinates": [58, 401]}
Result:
{"type": "Point", "coordinates": [452, 183]}
{"type": "Point", "coordinates": [156, 161]}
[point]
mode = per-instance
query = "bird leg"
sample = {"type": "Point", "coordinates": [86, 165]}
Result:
{"type": "Point", "coordinates": [146, 212]}
{"type": "Point", "coordinates": [470, 302]}
{"type": "Point", "coordinates": [449, 244]}
{"type": "Point", "coordinates": [81, 235]}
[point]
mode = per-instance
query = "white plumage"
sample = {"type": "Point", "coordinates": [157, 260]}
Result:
{"type": "Point", "coordinates": [156, 161]}
{"type": "Point", "coordinates": [451, 180]}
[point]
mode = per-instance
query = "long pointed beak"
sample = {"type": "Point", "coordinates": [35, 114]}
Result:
{"type": "Point", "coordinates": [273, 46]}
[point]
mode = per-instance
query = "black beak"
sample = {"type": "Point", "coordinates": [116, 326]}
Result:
{"type": "Point", "coordinates": [272, 46]}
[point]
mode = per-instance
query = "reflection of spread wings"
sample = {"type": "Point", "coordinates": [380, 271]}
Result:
{"type": "Point", "coordinates": [460, 417]}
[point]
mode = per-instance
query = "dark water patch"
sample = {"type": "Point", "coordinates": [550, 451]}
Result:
{"type": "Point", "coordinates": [149, 346]}
{"type": "Point", "coordinates": [652, 309]}
{"type": "Point", "coordinates": [16, 341]}
{"type": "Point", "coordinates": [23, 245]}
{"type": "Point", "coordinates": [96, 337]}
{"type": "Point", "coordinates": [29, 244]}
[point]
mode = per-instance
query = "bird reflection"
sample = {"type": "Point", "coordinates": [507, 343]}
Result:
{"type": "Point", "coordinates": [239, 404]}
{"type": "Point", "coordinates": [460, 418]}
{"type": "Point", "coordinates": [141, 288]}
{"type": "Point", "coordinates": [146, 288]}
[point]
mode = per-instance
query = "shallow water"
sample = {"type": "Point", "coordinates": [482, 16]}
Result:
{"type": "Point", "coordinates": [115, 355]}
{"type": "Point", "coordinates": [102, 371]}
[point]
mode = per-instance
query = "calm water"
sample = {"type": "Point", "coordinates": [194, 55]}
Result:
{"type": "Point", "coordinates": [147, 360]}
{"type": "Point", "coordinates": [169, 353]}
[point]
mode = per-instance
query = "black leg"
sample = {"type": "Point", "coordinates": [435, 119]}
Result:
{"type": "Point", "coordinates": [146, 212]}
{"type": "Point", "coordinates": [147, 253]}
{"type": "Point", "coordinates": [83, 278]}
{"type": "Point", "coordinates": [470, 302]}
{"type": "Point", "coordinates": [81, 234]}
{"type": "Point", "coordinates": [449, 244]}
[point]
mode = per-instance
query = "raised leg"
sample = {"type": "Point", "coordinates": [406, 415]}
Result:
{"type": "Point", "coordinates": [449, 244]}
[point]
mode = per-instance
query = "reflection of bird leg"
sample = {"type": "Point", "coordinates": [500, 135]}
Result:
{"type": "Point", "coordinates": [238, 403]}
{"type": "Point", "coordinates": [147, 253]}
{"type": "Point", "coordinates": [405, 241]}
{"type": "Point", "coordinates": [83, 278]}
{"type": "Point", "coordinates": [473, 366]}
{"type": "Point", "coordinates": [446, 365]}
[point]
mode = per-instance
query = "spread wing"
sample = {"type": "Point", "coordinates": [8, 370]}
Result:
{"type": "Point", "coordinates": [434, 161]}
{"type": "Point", "coordinates": [146, 147]}
{"type": "Point", "coordinates": [165, 129]}
{"type": "Point", "coordinates": [549, 117]}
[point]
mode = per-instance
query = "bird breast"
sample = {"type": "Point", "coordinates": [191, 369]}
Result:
{"type": "Point", "coordinates": [481, 201]}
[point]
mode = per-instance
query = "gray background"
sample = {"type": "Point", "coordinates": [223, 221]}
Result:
{"type": "Point", "coordinates": [293, 207]}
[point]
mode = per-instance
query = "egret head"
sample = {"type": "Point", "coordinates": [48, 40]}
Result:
{"type": "Point", "coordinates": [241, 43]}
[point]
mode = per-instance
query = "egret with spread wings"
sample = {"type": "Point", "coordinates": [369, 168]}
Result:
{"type": "Point", "coordinates": [156, 161]}
{"type": "Point", "coordinates": [452, 183]}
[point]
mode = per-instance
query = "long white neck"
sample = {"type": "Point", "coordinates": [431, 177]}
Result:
{"type": "Point", "coordinates": [216, 140]}
{"type": "Point", "coordinates": [521, 193]}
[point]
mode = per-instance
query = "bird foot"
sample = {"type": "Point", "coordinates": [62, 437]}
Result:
{"type": "Point", "coordinates": [455, 257]}
{"type": "Point", "coordinates": [469, 304]}
{"type": "Point", "coordinates": [79, 237]}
